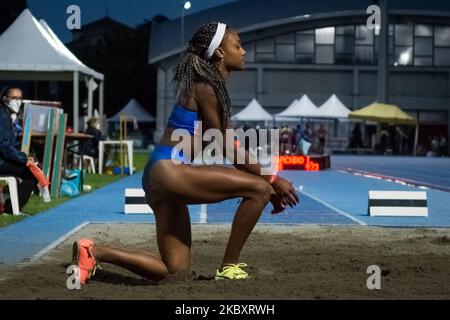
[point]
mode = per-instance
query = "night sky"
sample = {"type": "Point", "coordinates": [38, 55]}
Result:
{"type": "Point", "coordinates": [130, 12]}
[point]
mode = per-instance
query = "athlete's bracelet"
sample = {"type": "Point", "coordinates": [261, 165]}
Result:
{"type": "Point", "coordinates": [273, 178]}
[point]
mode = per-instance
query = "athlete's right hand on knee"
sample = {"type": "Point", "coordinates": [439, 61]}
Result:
{"type": "Point", "coordinates": [277, 203]}
{"type": "Point", "coordinates": [286, 191]}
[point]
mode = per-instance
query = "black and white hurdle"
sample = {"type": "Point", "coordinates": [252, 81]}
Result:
{"type": "Point", "coordinates": [398, 203]}
{"type": "Point", "coordinates": [135, 202]}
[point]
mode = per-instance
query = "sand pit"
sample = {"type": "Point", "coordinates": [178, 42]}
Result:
{"type": "Point", "coordinates": [286, 262]}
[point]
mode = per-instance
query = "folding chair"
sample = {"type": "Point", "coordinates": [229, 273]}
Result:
{"type": "Point", "coordinates": [13, 194]}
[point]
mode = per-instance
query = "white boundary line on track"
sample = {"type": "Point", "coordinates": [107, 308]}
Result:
{"type": "Point", "coordinates": [203, 213]}
{"type": "Point", "coordinates": [45, 250]}
{"type": "Point", "coordinates": [57, 242]}
{"type": "Point", "coordinates": [329, 206]}
{"type": "Point", "coordinates": [402, 181]}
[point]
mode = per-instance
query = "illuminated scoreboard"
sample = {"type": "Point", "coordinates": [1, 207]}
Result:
{"type": "Point", "coordinates": [297, 162]}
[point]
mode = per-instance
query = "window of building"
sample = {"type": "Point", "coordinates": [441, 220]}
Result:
{"type": "Point", "coordinates": [423, 61]}
{"type": "Point", "coordinates": [442, 45]}
{"type": "Point", "coordinates": [441, 36]}
{"type": "Point", "coordinates": [363, 35]}
{"type": "Point", "coordinates": [344, 59]}
{"type": "Point", "coordinates": [324, 54]}
{"type": "Point", "coordinates": [345, 30]}
{"type": "Point", "coordinates": [344, 44]}
{"type": "Point", "coordinates": [423, 30]}
{"type": "Point", "coordinates": [285, 48]}
{"type": "Point", "coordinates": [265, 45]}
{"type": "Point", "coordinates": [344, 47]}
{"type": "Point", "coordinates": [285, 53]}
{"type": "Point", "coordinates": [304, 58]}
{"type": "Point", "coordinates": [288, 38]}
{"type": "Point", "coordinates": [265, 50]}
{"type": "Point", "coordinates": [325, 35]}
{"type": "Point", "coordinates": [265, 57]}
{"type": "Point", "coordinates": [442, 56]}
{"type": "Point", "coordinates": [409, 44]}
{"type": "Point", "coordinates": [423, 46]}
{"type": "Point", "coordinates": [403, 56]}
{"type": "Point", "coordinates": [250, 49]}
{"type": "Point", "coordinates": [364, 55]}
{"type": "Point", "coordinates": [324, 50]}
{"type": "Point", "coordinates": [304, 43]}
{"type": "Point", "coordinates": [403, 34]}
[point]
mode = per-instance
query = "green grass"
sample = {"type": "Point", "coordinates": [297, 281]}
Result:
{"type": "Point", "coordinates": [140, 160]}
{"type": "Point", "coordinates": [6, 220]}
{"type": "Point", "coordinates": [35, 205]}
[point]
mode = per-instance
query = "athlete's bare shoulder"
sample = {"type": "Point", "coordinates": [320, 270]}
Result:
{"type": "Point", "coordinates": [208, 104]}
{"type": "Point", "coordinates": [204, 90]}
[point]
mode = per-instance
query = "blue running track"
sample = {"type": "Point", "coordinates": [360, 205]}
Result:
{"type": "Point", "coordinates": [333, 197]}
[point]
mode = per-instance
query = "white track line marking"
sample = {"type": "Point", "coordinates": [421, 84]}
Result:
{"type": "Point", "coordinates": [203, 213]}
{"type": "Point", "coordinates": [57, 242]}
{"type": "Point", "coordinates": [45, 250]}
{"type": "Point", "coordinates": [329, 206]}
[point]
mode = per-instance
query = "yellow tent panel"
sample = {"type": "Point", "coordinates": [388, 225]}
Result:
{"type": "Point", "coordinates": [385, 113]}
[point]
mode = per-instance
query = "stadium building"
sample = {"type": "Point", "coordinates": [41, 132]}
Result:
{"type": "Point", "coordinates": [320, 48]}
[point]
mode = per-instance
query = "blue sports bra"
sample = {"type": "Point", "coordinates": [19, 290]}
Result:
{"type": "Point", "coordinates": [182, 118]}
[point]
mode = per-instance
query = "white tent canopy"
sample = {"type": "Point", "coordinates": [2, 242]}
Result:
{"type": "Point", "coordinates": [31, 51]}
{"type": "Point", "coordinates": [68, 54]}
{"type": "Point", "coordinates": [28, 46]}
{"type": "Point", "coordinates": [333, 108]}
{"type": "Point", "coordinates": [135, 110]}
{"type": "Point", "coordinates": [303, 108]}
{"type": "Point", "coordinates": [253, 112]}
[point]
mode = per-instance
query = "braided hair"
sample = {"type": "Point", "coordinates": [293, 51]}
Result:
{"type": "Point", "coordinates": [194, 67]}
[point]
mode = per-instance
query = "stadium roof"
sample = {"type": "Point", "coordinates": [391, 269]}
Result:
{"type": "Point", "coordinates": [252, 15]}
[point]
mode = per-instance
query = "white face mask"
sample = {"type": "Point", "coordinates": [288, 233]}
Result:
{"type": "Point", "coordinates": [14, 105]}
{"type": "Point", "coordinates": [97, 126]}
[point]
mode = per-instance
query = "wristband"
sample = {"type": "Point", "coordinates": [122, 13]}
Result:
{"type": "Point", "coordinates": [273, 178]}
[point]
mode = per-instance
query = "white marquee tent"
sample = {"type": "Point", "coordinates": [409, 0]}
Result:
{"type": "Point", "coordinates": [333, 108]}
{"type": "Point", "coordinates": [303, 108]}
{"type": "Point", "coordinates": [253, 112]}
{"type": "Point", "coordinates": [30, 50]}
{"type": "Point", "coordinates": [287, 119]}
{"type": "Point", "coordinates": [133, 109]}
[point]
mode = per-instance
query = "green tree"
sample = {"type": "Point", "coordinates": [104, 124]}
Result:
{"type": "Point", "coordinates": [122, 56]}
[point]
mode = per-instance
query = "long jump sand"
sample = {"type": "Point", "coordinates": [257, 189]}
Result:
{"type": "Point", "coordinates": [286, 262]}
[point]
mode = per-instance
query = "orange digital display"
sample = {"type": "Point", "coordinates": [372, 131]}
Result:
{"type": "Point", "coordinates": [295, 162]}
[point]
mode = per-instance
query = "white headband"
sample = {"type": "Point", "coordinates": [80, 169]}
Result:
{"type": "Point", "coordinates": [217, 40]}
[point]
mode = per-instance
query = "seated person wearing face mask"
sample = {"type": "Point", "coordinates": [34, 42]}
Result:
{"type": "Point", "coordinates": [91, 146]}
{"type": "Point", "coordinates": [12, 161]}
